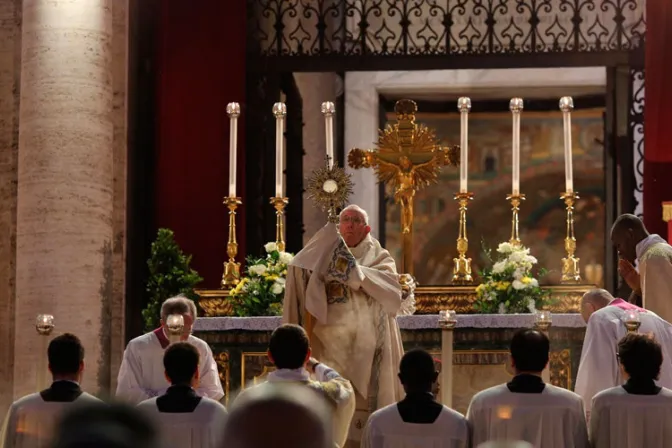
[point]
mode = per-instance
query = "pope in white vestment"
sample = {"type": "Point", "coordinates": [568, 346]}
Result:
{"type": "Point", "coordinates": [599, 369]}
{"type": "Point", "coordinates": [343, 288]}
{"type": "Point", "coordinates": [638, 413]}
{"type": "Point", "coordinates": [653, 255]}
{"type": "Point", "coordinates": [142, 374]}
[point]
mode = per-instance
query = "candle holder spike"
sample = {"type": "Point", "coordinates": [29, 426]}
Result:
{"type": "Point", "coordinates": [516, 200]}
{"type": "Point", "coordinates": [231, 276]}
{"type": "Point", "coordinates": [570, 264]}
{"type": "Point", "coordinates": [462, 264]}
{"type": "Point", "coordinates": [279, 203]}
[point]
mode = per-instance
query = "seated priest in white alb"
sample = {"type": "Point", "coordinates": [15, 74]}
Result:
{"type": "Point", "coordinates": [344, 289]}
{"type": "Point", "coordinates": [418, 420]}
{"type": "Point", "coordinates": [289, 351]}
{"type": "Point", "coordinates": [599, 369]}
{"type": "Point", "coordinates": [185, 419]}
{"type": "Point", "coordinates": [142, 374]}
{"type": "Point", "coordinates": [30, 420]}
{"type": "Point", "coordinates": [638, 413]}
{"type": "Point", "coordinates": [526, 408]}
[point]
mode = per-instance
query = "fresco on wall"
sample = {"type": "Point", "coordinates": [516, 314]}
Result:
{"type": "Point", "coordinates": [542, 216]}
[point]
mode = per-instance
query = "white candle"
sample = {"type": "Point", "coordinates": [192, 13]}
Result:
{"type": "Point", "coordinates": [233, 110]}
{"type": "Point", "coordinates": [328, 110]}
{"type": "Point", "coordinates": [279, 110]}
{"type": "Point", "coordinates": [566, 106]}
{"type": "Point", "coordinates": [464, 106]}
{"type": "Point", "coordinates": [516, 107]}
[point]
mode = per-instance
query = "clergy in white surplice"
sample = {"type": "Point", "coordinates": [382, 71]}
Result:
{"type": "Point", "coordinates": [30, 420]}
{"type": "Point", "coordinates": [526, 408]}
{"type": "Point", "coordinates": [417, 421]}
{"type": "Point", "coordinates": [599, 368]}
{"type": "Point", "coordinates": [652, 280]}
{"type": "Point", "coordinates": [343, 288]}
{"type": "Point", "coordinates": [142, 374]}
{"type": "Point", "coordinates": [289, 351]}
{"type": "Point", "coordinates": [638, 413]}
{"type": "Point", "coordinates": [185, 419]}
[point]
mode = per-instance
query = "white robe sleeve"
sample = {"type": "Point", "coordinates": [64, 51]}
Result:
{"type": "Point", "coordinates": [210, 386]}
{"type": "Point", "coordinates": [128, 381]}
{"type": "Point", "coordinates": [368, 436]}
{"type": "Point", "coordinates": [598, 369]}
{"type": "Point", "coordinates": [656, 281]}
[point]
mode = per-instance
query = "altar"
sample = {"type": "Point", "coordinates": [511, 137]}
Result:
{"type": "Point", "coordinates": [480, 354]}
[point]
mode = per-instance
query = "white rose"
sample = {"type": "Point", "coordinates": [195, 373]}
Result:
{"type": "Point", "coordinates": [286, 257]}
{"type": "Point", "coordinates": [257, 269]}
{"type": "Point", "coordinates": [276, 288]}
{"type": "Point", "coordinates": [517, 284]}
{"type": "Point", "coordinates": [531, 306]}
{"type": "Point", "coordinates": [270, 247]}
{"type": "Point", "coordinates": [530, 259]}
{"type": "Point", "coordinates": [502, 308]}
{"type": "Point", "coordinates": [518, 274]}
{"type": "Point", "coordinates": [517, 257]}
{"type": "Point", "coordinates": [533, 283]}
{"type": "Point", "coordinates": [505, 248]}
{"type": "Point", "coordinates": [499, 267]}
{"type": "Point", "coordinates": [280, 281]}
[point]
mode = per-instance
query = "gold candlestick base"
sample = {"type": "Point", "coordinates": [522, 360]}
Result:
{"type": "Point", "coordinates": [570, 264]}
{"type": "Point", "coordinates": [231, 276]}
{"type": "Point", "coordinates": [462, 264]}
{"type": "Point", "coordinates": [516, 200]}
{"type": "Point", "coordinates": [280, 203]}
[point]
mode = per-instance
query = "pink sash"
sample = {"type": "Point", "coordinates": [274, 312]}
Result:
{"type": "Point", "coordinates": [625, 306]}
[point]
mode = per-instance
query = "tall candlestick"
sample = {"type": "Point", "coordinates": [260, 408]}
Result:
{"type": "Point", "coordinates": [516, 107]}
{"type": "Point", "coordinates": [566, 106]}
{"type": "Point", "coordinates": [328, 110]}
{"type": "Point", "coordinates": [233, 110]}
{"type": "Point", "coordinates": [279, 110]}
{"type": "Point", "coordinates": [464, 106]}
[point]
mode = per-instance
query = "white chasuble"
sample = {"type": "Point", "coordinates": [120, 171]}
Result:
{"type": "Point", "coordinates": [623, 420]}
{"type": "Point", "coordinates": [348, 299]}
{"type": "Point", "coordinates": [553, 418]}
{"type": "Point", "coordinates": [30, 421]}
{"type": "Point", "coordinates": [142, 375]}
{"type": "Point", "coordinates": [202, 428]}
{"type": "Point", "coordinates": [599, 369]}
{"type": "Point", "coordinates": [655, 269]}
{"type": "Point", "coordinates": [386, 429]}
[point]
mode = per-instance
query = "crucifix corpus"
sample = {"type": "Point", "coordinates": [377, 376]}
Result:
{"type": "Point", "coordinates": [408, 157]}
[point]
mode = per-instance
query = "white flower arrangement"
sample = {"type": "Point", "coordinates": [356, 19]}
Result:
{"type": "Point", "coordinates": [261, 291]}
{"type": "Point", "coordinates": [509, 286]}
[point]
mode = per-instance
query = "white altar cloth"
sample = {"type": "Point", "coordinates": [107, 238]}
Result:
{"type": "Point", "coordinates": [415, 322]}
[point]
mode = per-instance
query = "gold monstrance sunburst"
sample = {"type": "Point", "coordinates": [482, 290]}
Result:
{"type": "Point", "coordinates": [330, 188]}
{"type": "Point", "coordinates": [408, 158]}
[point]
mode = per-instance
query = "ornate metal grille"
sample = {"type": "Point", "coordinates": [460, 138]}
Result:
{"type": "Point", "coordinates": [636, 132]}
{"type": "Point", "coordinates": [295, 28]}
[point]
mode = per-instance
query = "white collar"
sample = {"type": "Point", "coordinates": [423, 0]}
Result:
{"type": "Point", "coordinates": [300, 374]}
{"type": "Point", "coordinates": [646, 243]}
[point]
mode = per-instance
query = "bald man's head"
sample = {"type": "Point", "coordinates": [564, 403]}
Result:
{"type": "Point", "coordinates": [289, 415]}
{"type": "Point", "coordinates": [594, 300]}
{"type": "Point", "coordinates": [627, 231]}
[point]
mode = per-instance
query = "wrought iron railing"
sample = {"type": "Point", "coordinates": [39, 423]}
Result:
{"type": "Point", "coordinates": [443, 27]}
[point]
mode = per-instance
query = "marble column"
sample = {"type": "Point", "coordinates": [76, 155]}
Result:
{"type": "Point", "coordinates": [315, 88]}
{"type": "Point", "coordinates": [10, 69]}
{"type": "Point", "coordinates": [64, 248]}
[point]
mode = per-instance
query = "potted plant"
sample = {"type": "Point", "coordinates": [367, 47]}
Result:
{"type": "Point", "coordinates": [170, 274]}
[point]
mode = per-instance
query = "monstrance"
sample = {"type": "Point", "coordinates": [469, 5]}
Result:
{"type": "Point", "coordinates": [408, 157]}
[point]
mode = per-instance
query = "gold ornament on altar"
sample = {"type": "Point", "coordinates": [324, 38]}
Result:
{"type": "Point", "coordinates": [330, 188]}
{"type": "Point", "coordinates": [408, 158]}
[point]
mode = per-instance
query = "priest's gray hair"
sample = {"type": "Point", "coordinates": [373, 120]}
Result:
{"type": "Point", "coordinates": [358, 209]}
{"type": "Point", "coordinates": [178, 305]}
{"type": "Point", "coordinates": [277, 408]}
{"type": "Point", "coordinates": [599, 297]}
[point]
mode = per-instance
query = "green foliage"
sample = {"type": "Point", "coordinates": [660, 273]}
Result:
{"type": "Point", "coordinates": [170, 274]}
{"type": "Point", "coordinates": [509, 286]}
{"type": "Point", "coordinates": [261, 291]}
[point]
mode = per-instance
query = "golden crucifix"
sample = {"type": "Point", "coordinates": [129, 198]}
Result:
{"type": "Point", "coordinates": [408, 157]}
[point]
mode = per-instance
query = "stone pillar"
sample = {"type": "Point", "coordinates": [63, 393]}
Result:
{"type": "Point", "coordinates": [65, 183]}
{"type": "Point", "coordinates": [10, 70]}
{"type": "Point", "coordinates": [315, 88]}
